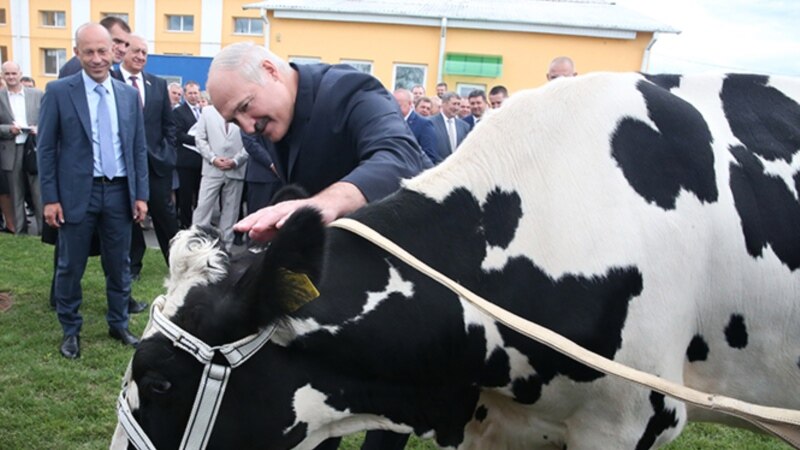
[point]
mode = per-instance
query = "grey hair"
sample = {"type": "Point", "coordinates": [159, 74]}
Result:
{"type": "Point", "coordinates": [447, 96]}
{"type": "Point", "coordinates": [246, 58]}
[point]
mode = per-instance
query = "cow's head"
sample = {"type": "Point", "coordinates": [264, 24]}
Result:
{"type": "Point", "coordinates": [220, 299]}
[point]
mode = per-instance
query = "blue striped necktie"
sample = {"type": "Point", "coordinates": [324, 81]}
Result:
{"type": "Point", "coordinates": [108, 160]}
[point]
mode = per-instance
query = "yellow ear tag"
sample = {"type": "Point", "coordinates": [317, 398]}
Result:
{"type": "Point", "coordinates": [299, 289]}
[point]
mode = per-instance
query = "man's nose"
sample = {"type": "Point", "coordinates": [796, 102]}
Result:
{"type": "Point", "coordinates": [245, 123]}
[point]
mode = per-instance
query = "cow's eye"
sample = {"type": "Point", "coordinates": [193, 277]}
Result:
{"type": "Point", "coordinates": [160, 386]}
{"type": "Point", "coordinates": [156, 384]}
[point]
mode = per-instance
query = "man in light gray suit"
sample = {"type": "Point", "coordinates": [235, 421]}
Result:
{"type": "Point", "coordinates": [19, 115]}
{"type": "Point", "coordinates": [450, 130]}
{"type": "Point", "coordinates": [224, 162]}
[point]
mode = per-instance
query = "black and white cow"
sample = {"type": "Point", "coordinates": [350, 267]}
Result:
{"type": "Point", "coordinates": [652, 220]}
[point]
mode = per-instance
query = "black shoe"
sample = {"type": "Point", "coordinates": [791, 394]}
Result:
{"type": "Point", "coordinates": [71, 346]}
{"type": "Point", "coordinates": [124, 336]}
{"type": "Point", "coordinates": [135, 307]}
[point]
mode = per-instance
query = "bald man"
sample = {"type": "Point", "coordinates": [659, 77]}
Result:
{"type": "Point", "coordinates": [563, 66]}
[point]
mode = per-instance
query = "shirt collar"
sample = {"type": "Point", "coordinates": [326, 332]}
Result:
{"type": "Point", "coordinates": [20, 93]}
{"type": "Point", "coordinates": [90, 83]}
{"type": "Point", "coordinates": [127, 75]}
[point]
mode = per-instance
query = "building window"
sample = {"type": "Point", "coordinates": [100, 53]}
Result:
{"type": "Point", "coordinates": [2, 16]}
{"type": "Point", "coordinates": [180, 23]}
{"type": "Point", "coordinates": [473, 65]}
{"type": "Point", "coordinates": [463, 89]}
{"type": "Point", "coordinates": [300, 60]}
{"type": "Point", "coordinates": [406, 76]}
{"type": "Point", "coordinates": [54, 58]}
{"type": "Point", "coordinates": [3, 53]}
{"type": "Point", "coordinates": [55, 19]}
{"type": "Point", "coordinates": [361, 66]}
{"type": "Point", "coordinates": [246, 25]}
{"type": "Point", "coordinates": [123, 16]}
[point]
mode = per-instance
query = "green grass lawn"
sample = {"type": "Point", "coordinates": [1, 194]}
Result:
{"type": "Point", "coordinates": [48, 402]}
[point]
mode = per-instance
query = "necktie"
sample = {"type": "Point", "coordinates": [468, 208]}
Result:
{"type": "Point", "coordinates": [451, 131]}
{"type": "Point", "coordinates": [108, 160]}
{"type": "Point", "coordinates": [136, 85]}
{"type": "Point", "coordinates": [196, 111]}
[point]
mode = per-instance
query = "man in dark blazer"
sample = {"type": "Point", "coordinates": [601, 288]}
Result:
{"type": "Point", "coordinates": [478, 106]}
{"type": "Point", "coordinates": [451, 104]}
{"type": "Point", "coordinates": [260, 177]}
{"type": "Point", "coordinates": [93, 173]}
{"type": "Point", "coordinates": [337, 132]}
{"type": "Point", "coordinates": [160, 131]}
{"type": "Point", "coordinates": [421, 127]}
{"type": "Point", "coordinates": [189, 162]}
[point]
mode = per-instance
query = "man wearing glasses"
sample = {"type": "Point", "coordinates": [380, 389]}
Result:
{"type": "Point", "coordinates": [119, 31]}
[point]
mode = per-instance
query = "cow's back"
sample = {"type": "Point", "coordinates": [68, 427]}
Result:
{"type": "Point", "coordinates": [691, 182]}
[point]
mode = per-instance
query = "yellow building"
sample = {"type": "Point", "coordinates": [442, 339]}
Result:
{"type": "Point", "coordinates": [466, 43]}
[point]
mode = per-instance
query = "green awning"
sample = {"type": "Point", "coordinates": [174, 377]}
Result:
{"type": "Point", "coordinates": [473, 65]}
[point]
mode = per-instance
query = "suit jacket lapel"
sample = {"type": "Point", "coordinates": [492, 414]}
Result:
{"type": "Point", "coordinates": [302, 115]}
{"type": "Point", "coordinates": [122, 107]}
{"type": "Point", "coordinates": [149, 91]}
{"type": "Point", "coordinates": [78, 95]}
{"type": "Point", "coordinates": [31, 107]}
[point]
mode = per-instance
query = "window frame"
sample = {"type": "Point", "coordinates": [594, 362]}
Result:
{"type": "Point", "coordinates": [250, 21]}
{"type": "Point", "coordinates": [44, 14]}
{"type": "Point", "coordinates": [59, 61]}
{"type": "Point", "coordinates": [3, 16]}
{"type": "Point", "coordinates": [301, 60]}
{"type": "Point", "coordinates": [120, 15]}
{"type": "Point", "coordinates": [422, 82]}
{"type": "Point", "coordinates": [466, 88]}
{"type": "Point", "coordinates": [182, 28]}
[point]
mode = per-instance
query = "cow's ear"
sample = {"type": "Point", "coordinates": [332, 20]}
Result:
{"type": "Point", "coordinates": [283, 278]}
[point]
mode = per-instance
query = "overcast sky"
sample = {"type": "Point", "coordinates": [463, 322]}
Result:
{"type": "Point", "coordinates": [759, 36]}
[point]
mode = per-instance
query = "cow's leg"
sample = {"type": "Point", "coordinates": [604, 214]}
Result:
{"type": "Point", "coordinates": [650, 421]}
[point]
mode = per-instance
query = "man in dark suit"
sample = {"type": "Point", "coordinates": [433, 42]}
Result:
{"type": "Point", "coordinates": [160, 131]}
{"type": "Point", "coordinates": [421, 127]}
{"type": "Point", "coordinates": [477, 107]}
{"type": "Point", "coordinates": [93, 172]}
{"type": "Point", "coordinates": [450, 130]}
{"type": "Point", "coordinates": [337, 132]}
{"type": "Point", "coordinates": [260, 177]}
{"type": "Point", "coordinates": [189, 162]}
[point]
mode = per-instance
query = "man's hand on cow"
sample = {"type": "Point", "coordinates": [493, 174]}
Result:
{"type": "Point", "coordinates": [53, 214]}
{"type": "Point", "coordinates": [334, 202]}
{"type": "Point", "coordinates": [139, 211]}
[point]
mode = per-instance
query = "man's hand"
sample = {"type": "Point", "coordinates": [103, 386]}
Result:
{"type": "Point", "coordinates": [53, 214]}
{"type": "Point", "coordinates": [139, 211]}
{"type": "Point", "coordinates": [334, 202]}
{"type": "Point", "coordinates": [224, 163]}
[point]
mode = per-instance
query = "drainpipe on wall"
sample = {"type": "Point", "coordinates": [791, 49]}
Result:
{"type": "Point", "coordinates": [646, 58]}
{"type": "Point", "coordinates": [442, 46]}
{"type": "Point", "coordinates": [266, 26]}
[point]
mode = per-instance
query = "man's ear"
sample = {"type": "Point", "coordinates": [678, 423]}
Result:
{"type": "Point", "coordinates": [272, 71]}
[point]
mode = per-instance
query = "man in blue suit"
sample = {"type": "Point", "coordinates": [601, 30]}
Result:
{"type": "Point", "coordinates": [421, 127]}
{"type": "Point", "coordinates": [337, 132]}
{"type": "Point", "coordinates": [450, 130]}
{"type": "Point", "coordinates": [93, 172]}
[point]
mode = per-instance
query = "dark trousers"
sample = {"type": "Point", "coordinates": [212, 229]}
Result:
{"type": "Point", "coordinates": [187, 195]}
{"type": "Point", "coordinates": [259, 195]}
{"type": "Point", "coordinates": [165, 222]}
{"type": "Point", "coordinates": [109, 213]}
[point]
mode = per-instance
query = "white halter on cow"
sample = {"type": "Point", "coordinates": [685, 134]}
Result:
{"type": "Point", "coordinates": [212, 384]}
